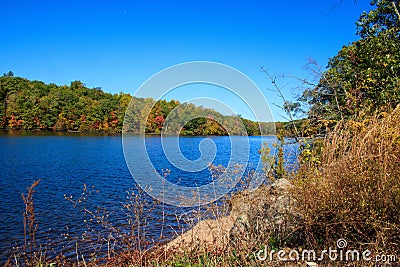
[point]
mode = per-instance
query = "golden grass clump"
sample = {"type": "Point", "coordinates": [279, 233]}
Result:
{"type": "Point", "coordinates": [353, 192]}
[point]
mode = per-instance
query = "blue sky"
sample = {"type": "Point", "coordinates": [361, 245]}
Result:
{"type": "Point", "coordinates": [118, 45]}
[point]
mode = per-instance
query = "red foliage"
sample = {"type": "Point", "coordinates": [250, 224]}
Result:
{"type": "Point", "coordinates": [160, 121]}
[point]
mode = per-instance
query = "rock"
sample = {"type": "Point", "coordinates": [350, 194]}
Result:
{"type": "Point", "coordinates": [266, 215]}
{"type": "Point", "coordinates": [240, 229]}
{"type": "Point", "coordinates": [281, 186]}
{"type": "Point", "coordinates": [204, 234]}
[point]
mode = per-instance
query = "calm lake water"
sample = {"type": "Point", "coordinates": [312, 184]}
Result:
{"type": "Point", "coordinates": [66, 163]}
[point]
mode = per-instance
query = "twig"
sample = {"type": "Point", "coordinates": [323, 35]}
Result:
{"type": "Point", "coordinates": [16, 260]}
{"type": "Point", "coordinates": [84, 262]}
{"type": "Point", "coordinates": [330, 85]}
{"type": "Point", "coordinates": [396, 10]}
{"type": "Point", "coordinates": [76, 251]}
{"type": "Point", "coordinates": [304, 81]}
{"type": "Point", "coordinates": [279, 91]}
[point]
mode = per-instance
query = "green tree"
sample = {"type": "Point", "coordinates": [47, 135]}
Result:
{"type": "Point", "coordinates": [364, 76]}
{"type": "Point", "coordinates": [8, 74]}
{"type": "Point", "coordinates": [384, 17]}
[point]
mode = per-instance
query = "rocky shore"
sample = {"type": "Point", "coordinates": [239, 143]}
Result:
{"type": "Point", "coordinates": [262, 213]}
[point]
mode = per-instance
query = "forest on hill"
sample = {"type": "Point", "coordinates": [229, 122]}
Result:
{"type": "Point", "coordinates": [36, 106]}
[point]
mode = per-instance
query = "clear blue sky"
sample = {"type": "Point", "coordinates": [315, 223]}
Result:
{"type": "Point", "coordinates": [117, 45]}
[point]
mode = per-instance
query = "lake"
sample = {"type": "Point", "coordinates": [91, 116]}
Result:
{"type": "Point", "coordinates": [82, 172]}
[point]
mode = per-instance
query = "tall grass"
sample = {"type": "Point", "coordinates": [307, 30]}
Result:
{"type": "Point", "coordinates": [31, 253]}
{"type": "Point", "coordinates": [30, 224]}
{"type": "Point", "coordinates": [353, 190]}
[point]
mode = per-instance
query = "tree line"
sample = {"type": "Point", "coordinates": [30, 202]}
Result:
{"type": "Point", "coordinates": [36, 106]}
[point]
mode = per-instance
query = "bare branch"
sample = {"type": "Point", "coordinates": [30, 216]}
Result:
{"type": "Point", "coordinates": [279, 91]}
{"type": "Point", "coordinates": [396, 10]}
{"type": "Point", "coordinates": [304, 81]}
{"type": "Point", "coordinates": [313, 62]}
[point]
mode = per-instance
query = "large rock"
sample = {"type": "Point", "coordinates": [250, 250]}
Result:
{"type": "Point", "coordinates": [266, 215]}
{"type": "Point", "coordinates": [205, 234]}
{"type": "Point", "coordinates": [262, 216]}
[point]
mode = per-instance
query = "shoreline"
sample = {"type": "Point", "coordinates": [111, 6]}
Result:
{"type": "Point", "coordinates": [9, 132]}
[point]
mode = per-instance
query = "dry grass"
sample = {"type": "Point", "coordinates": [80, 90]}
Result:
{"type": "Point", "coordinates": [353, 192]}
{"type": "Point", "coordinates": [30, 225]}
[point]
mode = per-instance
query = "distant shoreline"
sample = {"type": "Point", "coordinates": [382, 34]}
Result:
{"type": "Point", "coordinates": [10, 132]}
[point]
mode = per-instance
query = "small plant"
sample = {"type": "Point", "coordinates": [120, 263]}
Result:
{"type": "Point", "coordinates": [32, 252]}
{"type": "Point", "coordinates": [274, 164]}
{"type": "Point", "coordinates": [30, 224]}
{"type": "Point", "coordinates": [273, 242]}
